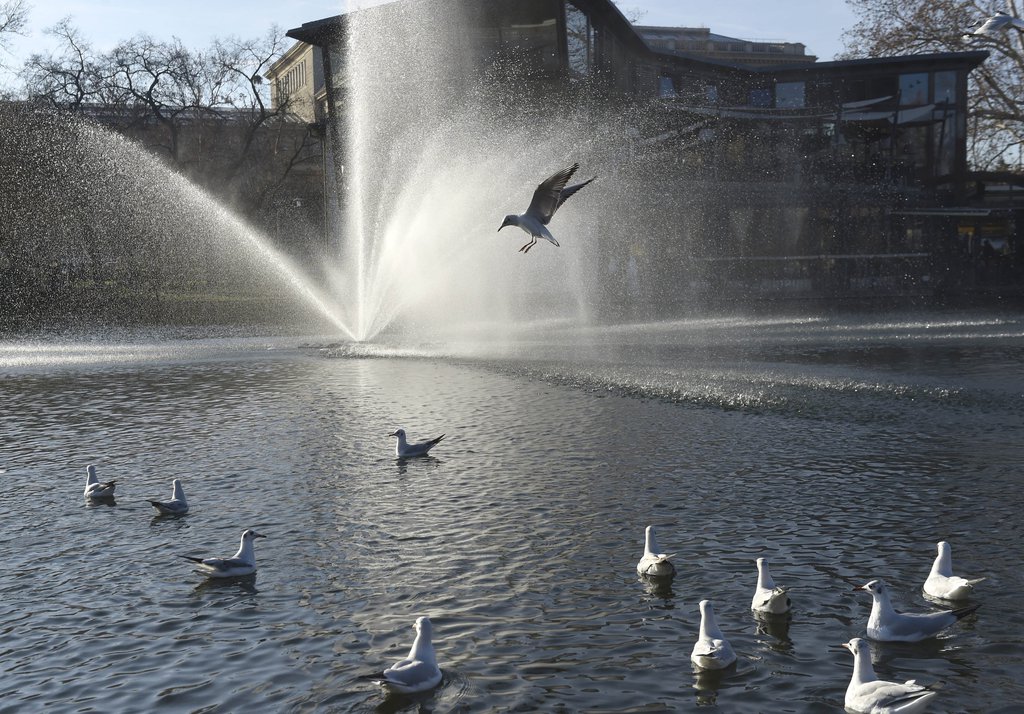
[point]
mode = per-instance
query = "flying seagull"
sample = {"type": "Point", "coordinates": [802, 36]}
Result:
{"type": "Point", "coordinates": [241, 563]}
{"type": "Point", "coordinates": [887, 625]}
{"type": "Point", "coordinates": [768, 597]}
{"type": "Point", "coordinates": [177, 505]}
{"type": "Point", "coordinates": [404, 449]}
{"type": "Point", "coordinates": [999, 22]}
{"type": "Point", "coordinates": [654, 563]}
{"type": "Point", "coordinates": [550, 194]}
{"type": "Point", "coordinates": [95, 489]}
{"type": "Point", "coordinates": [941, 582]}
{"type": "Point", "coordinates": [868, 694]}
{"type": "Point", "coordinates": [418, 672]}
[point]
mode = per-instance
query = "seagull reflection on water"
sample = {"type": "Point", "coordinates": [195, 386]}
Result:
{"type": "Point", "coordinates": [707, 682]}
{"type": "Point", "coordinates": [245, 583]}
{"type": "Point", "coordinates": [425, 702]}
{"type": "Point", "coordinates": [659, 586]}
{"type": "Point", "coordinates": [777, 628]}
{"type": "Point", "coordinates": [418, 462]}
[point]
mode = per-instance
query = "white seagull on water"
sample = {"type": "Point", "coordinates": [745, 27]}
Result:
{"type": "Point", "coordinates": [867, 694]}
{"type": "Point", "coordinates": [241, 563]}
{"type": "Point", "coordinates": [887, 625]}
{"type": "Point", "coordinates": [941, 582]}
{"type": "Point", "coordinates": [768, 597]}
{"type": "Point", "coordinates": [404, 449]}
{"type": "Point", "coordinates": [177, 505]}
{"type": "Point", "coordinates": [712, 650]}
{"type": "Point", "coordinates": [418, 672]}
{"type": "Point", "coordinates": [550, 194]}
{"type": "Point", "coordinates": [94, 488]}
{"type": "Point", "coordinates": [654, 563]}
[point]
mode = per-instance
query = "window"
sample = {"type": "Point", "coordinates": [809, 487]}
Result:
{"type": "Point", "coordinates": [579, 36]}
{"type": "Point", "coordinates": [761, 98]}
{"type": "Point", "coordinates": [789, 95]}
{"type": "Point", "coordinates": [945, 87]}
{"type": "Point", "coordinates": [913, 89]}
{"type": "Point", "coordinates": [666, 88]}
{"type": "Point", "coordinates": [293, 79]}
{"type": "Point", "coordinates": [525, 32]}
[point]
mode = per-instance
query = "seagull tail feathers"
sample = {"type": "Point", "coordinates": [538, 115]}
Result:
{"type": "Point", "coordinates": [191, 558]}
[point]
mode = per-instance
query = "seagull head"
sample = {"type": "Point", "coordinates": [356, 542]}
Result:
{"type": "Point", "coordinates": [856, 646]}
{"type": "Point", "coordinates": [422, 626]}
{"type": "Point", "coordinates": [250, 534]}
{"type": "Point", "coordinates": [398, 433]}
{"type": "Point", "coordinates": [877, 588]}
{"type": "Point", "coordinates": [510, 220]}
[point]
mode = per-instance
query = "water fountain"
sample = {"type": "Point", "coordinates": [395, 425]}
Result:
{"type": "Point", "coordinates": [438, 155]}
{"type": "Point", "coordinates": [84, 204]}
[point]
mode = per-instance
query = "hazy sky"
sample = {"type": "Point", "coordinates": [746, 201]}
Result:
{"type": "Point", "coordinates": [819, 24]}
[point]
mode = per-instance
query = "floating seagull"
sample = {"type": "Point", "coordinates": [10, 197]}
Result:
{"type": "Point", "coordinates": [867, 694]}
{"type": "Point", "coordinates": [404, 449]}
{"type": "Point", "coordinates": [242, 563]}
{"type": "Point", "coordinates": [941, 582]}
{"type": "Point", "coordinates": [654, 563]}
{"type": "Point", "coordinates": [996, 24]}
{"type": "Point", "coordinates": [549, 195]}
{"type": "Point", "coordinates": [93, 488]}
{"type": "Point", "coordinates": [887, 625]}
{"type": "Point", "coordinates": [177, 505]}
{"type": "Point", "coordinates": [418, 672]}
{"type": "Point", "coordinates": [768, 597]}
{"type": "Point", "coordinates": [712, 650]}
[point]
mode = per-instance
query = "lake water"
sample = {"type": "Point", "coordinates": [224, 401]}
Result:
{"type": "Point", "coordinates": [841, 448]}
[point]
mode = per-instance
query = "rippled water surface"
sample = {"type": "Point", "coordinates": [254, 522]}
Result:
{"type": "Point", "coordinates": [840, 448]}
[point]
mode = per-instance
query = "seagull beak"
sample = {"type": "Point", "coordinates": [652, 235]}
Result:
{"type": "Point", "coordinates": [860, 587]}
{"type": "Point", "coordinates": [258, 535]}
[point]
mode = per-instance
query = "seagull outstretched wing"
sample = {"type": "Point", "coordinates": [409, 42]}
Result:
{"type": "Point", "coordinates": [548, 196]}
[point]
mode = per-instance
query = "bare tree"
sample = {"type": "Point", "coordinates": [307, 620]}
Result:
{"type": "Point", "coordinates": [70, 78]}
{"type": "Point", "coordinates": [13, 17]}
{"type": "Point", "coordinates": [996, 89]}
{"type": "Point", "coordinates": [207, 111]}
